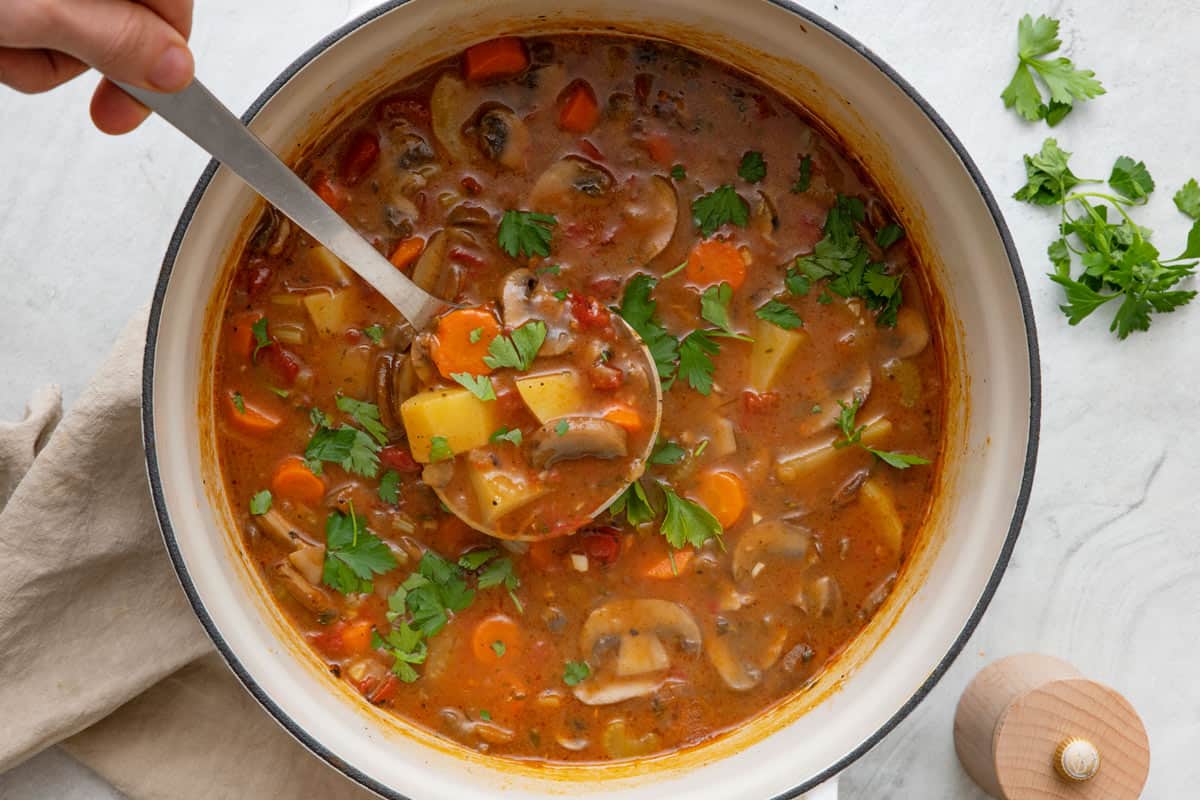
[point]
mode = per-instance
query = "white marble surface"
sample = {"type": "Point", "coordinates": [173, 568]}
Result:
{"type": "Point", "coordinates": [1107, 571]}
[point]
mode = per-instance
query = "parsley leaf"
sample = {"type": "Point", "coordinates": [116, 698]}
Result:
{"type": "Point", "coordinates": [888, 235]}
{"type": "Point", "coordinates": [1063, 81]}
{"type": "Point", "coordinates": [518, 349]}
{"type": "Point", "coordinates": [526, 233]}
{"type": "Point", "coordinates": [1048, 178]}
{"type": "Point", "coordinates": [429, 595]}
{"type": "Point", "coordinates": [366, 415]}
{"type": "Point", "coordinates": [353, 555]}
{"type": "Point", "coordinates": [439, 449]}
{"type": "Point", "coordinates": [678, 172]}
{"type": "Point", "coordinates": [260, 503]}
{"type": "Point", "coordinates": [499, 648]}
{"type": "Point", "coordinates": [714, 308]}
{"type": "Point", "coordinates": [474, 335]}
{"type": "Point", "coordinates": [667, 453]}
{"type": "Point", "coordinates": [239, 403]}
{"type": "Point", "coordinates": [797, 283]}
{"type": "Point", "coordinates": [561, 427]}
{"type": "Point", "coordinates": [350, 448]}
{"type": "Point", "coordinates": [389, 487]}
{"type": "Point", "coordinates": [719, 207]}
{"type": "Point", "coordinates": [513, 436]}
{"type": "Point", "coordinates": [275, 390]}
{"type": "Point", "coordinates": [478, 385]}
{"type": "Point", "coordinates": [553, 269]}
{"type": "Point", "coordinates": [496, 572]}
{"type": "Point", "coordinates": [898, 460]}
{"type": "Point", "coordinates": [695, 360]}
{"type": "Point", "coordinates": [634, 504]}
{"type": "Point", "coordinates": [852, 435]}
{"type": "Point", "coordinates": [374, 333]}
{"type": "Point", "coordinates": [637, 308]}
{"type": "Point", "coordinates": [261, 339]}
{"type": "Point", "coordinates": [407, 645]}
{"type": "Point", "coordinates": [1187, 199]}
{"type": "Point", "coordinates": [575, 672]}
{"type": "Point", "coordinates": [780, 314]}
{"type": "Point", "coordinates": [1131, 179]}
{"type": "Point", "coordinates": [804, 179]}
{"type": "Point", "coordinates": [688, 523]}
{"type": "Point", "coordinates": [753, 168]}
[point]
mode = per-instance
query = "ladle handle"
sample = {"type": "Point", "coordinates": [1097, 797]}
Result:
{"type": "Point", "coordinates": [204, 119]}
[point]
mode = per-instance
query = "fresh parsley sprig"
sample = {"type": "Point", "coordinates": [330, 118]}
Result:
{"type": "Point", "coordinates": [852, 436]}
{"type": "Point", "coordinates": [721, 206]}
{"type": "Point", "coordinates": [526, 233]}
{"type": "Point", "coordinates": [1063, 81]}
{"type": "Point", "coordinates": [353, 555]}
{"type": "Point", "coordinates": [518, 349]}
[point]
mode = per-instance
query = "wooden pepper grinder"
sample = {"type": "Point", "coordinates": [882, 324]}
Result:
{"type": "Point", "coordinates": [1031, 727]}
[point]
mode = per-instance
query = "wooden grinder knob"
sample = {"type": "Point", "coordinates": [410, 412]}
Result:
{"type": "Point", "coordinates": [1031, 727]}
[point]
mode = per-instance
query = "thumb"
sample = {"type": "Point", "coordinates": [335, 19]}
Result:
{"type": "Point", "coordinates": [126, 41]}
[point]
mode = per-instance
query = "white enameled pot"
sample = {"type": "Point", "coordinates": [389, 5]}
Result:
{"type": "Point", "coordinates": [993, 416]}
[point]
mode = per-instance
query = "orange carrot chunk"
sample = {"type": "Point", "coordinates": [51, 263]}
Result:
{"type": "Point", "coordinates": [578, 110]}
{"type": "Point", "coordinates": [407, 251]}
{"type": "Point", "coordinates": [723, 494]}
{"type": "Point", "coordinates": [625, 416]}
{"type": "Point", "coordinates": [662, 569]}
{"type": "Point", "coordinates": [456, 348]}
{"type": "Point", "coordinates": [661, 148]}
{"type": "Point", "coordinates": [496, 637]}
{"type": "Point", "coordinates": [241, 333]}
{"type": "Point", "coordinates": [714, 261]}
{"type": "Point", "coordinates": [248, 418]}
{"type": "Point", "coordinates": [294, 480]}
{"type": "Point", "coordinates": [356, 637]}
{"type": "Point", "coordinates": [498, 58]}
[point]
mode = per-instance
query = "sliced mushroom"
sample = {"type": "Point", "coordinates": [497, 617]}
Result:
{"type": "Point", "coordinates": [395, 382]}
{"type": "Point", "coordinates": [279, 529]}
{"type": "Point", "coordinates": [438, 475]}
{"type": "Point", "coordinates": [307, 594]}
{"type": "Point", "coordinates": [569, 181]}
{"type": "Point", "coordinates": [733, 670]}
{"type": "Point", "coordinates": [516, 297]}
{"type": "Point", "coordinates": [773, 537]}
{"type": "Point", "coordinates": [843, 387]}
{"type": "Point", "coordinates": [639, 626]}
{"type": "Point", "coordinates": [577, 437]}
{"type": "Point", "coordinates": [819, 597]}
{"type": "Point", "coordinates": [765, 219]}
{"type": "Point", "coordinates": [469, 215]}
{"type": "Point", "coordinates": [309, 561]}
{"type": "Point", "coordinates": [502, 137]}
{"type": "Point", "coordinates": [524, 298]}
{"type": "Point", "coordinates": [651, 214]}
{"type": "Point", "coordinates": [420, 358]}
{"type": "Point", "coordinates": [430, 272]}
{"type": "Point", "coordinates": [911, 334]}
{"type": "Point", "coordinates": [450, 107]}
{"type": "Point", "coordinates": [412, 151]}
{"type": "Point", "coordinates": [466, 728]}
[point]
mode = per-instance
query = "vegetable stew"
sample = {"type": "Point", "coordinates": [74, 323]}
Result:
{"type": "Point", "coordinates": [548, 186]}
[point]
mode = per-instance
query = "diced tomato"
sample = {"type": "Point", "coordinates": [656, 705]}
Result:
{"type": "Point", "coordinates": [590, 150]}
{"type": "Point", "coordinates": [661, 148]}
{"type": "Point", "coordinates": [755, 403]}
{"type": "Point", "coordinates": [471, 186]}
{"type": "Point", "coordinates": [352, 335]}
{"type": "Point", "coordinates": [359, 157]}
{"type": "Point", "coordinates": [402, 107]}
{"type": "Point", "coordinates": [546, 555]}
{"type": "Point", "coordinates": [602, 545]}
{"type": "Point", "coordinates": [329, 641]}
{"type": "Point", "coordinates": [605, 286]}
{"type": "Point", "coordinates": [589, 312]}
{"type": "Point", "coordinates": [764, 106]}
{"type": "Point", "coordinates": [578, 110]}
{"type": "Point", "coordinates": [333, 195]}
{"type": "Point", "coordinates": [255, 277]}
{"type": "Point", "coordinates": [397, 457]}
{"type": "Point", "coordinates": [604, 377]}
{"type": "Point", "coordinates": [385, 691]}
{"type": "Point", "coordinates": [282, 362]}
{"type": "Point", "coordinates": [508, 403]}
{"type": "Point", "coordinates": [495, 59]}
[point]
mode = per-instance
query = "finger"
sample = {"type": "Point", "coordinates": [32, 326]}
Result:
{"type": "Point", "coordinates": [33, 71]}
{"type": "Point", "coordinates": [126, 41]}
{"type": "Point", "coordinates": [115, 112]}
{"type": "Point", "coordinates": [177, 13]}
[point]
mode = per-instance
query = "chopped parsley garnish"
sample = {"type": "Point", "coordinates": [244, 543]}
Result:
{"type": "Point", "coordinates": [526, 233]}
{"type": "Point", "coordinates": [804, 179]}
{"type": "Point", "coordinates": [518, 349]}
{"type": "Point", "coordinates": [374, 333]}
{"type": "Point", "coordinates": [1062, 80]}
{"type": "Point", "coordinates": [260, 503]}
{"type": "Point", "coordinates": [498, 648]}
{"type": "Point", "coordinates": [637, 308]}
{"type": "Point", "coordinates": [429, 595]}
{"type": "Point", "coordinates": [695, 360]}
{"type": "Point", "coordinates": [700, 448]}
{"type": "Point", "coordinates": [888, 235]}
{"type": "Point", "coordinates": [505, 435]}
{"type": "Point", "coordinates": [714, 308]}
{"type": "Point", "coordinates": [353, 555]}
{"type": "Point", "coordinates": [667, 453]}
{"type": "Point", "coordinates": [634, 504]}
{"type": "Point", "coordinates": [561, 294]}
{"type": "Point", "coordinates": [753, 168]}
{"type": "Point", "coordinates": [478, 385]}
{"type": "Point", "coordinates": [780, 314]}
{"type": "Point", "coordinates": [475, 335]}
{"type": "Point", "coordinates": [553, 269]}
{"type": "Point", "coordinates": [493, 571]}
{"type": "Point", "coordinates": [678, 172]}
{"type": "Point", "coordinates": [365, 414]}
{"type": "Point", "coordinates": [852, 435]}
{"type": "Point", "coordinates": [407, 645]}
{"type": "Point", "coordinates": [284, 393]}
{"type": "Point", "coordinates": [687, 522]}
{"type": "Point", "coordinates": [239, 403]}
{"type": "Point", "coordinates": [485, 715]}
{"type": "Point", "coordinates": [575, 672]}
{"type": "Point", "coordinates": [439, 449]}
{"type": "Point", "coordinates": [561, 427]}
{"type": "Point", "coordinates": [349, 448]}
{"type": "Point", "coordinates": [261, 339]}
{"type": "Point", "coordinates": [719, 207]}
{"type": "Point", "coordinates": [1117, 258]}
{"type": "Point", "coordinates": [389, 487]}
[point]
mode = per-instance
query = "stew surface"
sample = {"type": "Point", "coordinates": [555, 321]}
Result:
{"type": "Point", "coordinates": [547, 186]}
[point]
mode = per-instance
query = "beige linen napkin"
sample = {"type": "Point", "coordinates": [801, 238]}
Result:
{"type": "Point", "coordinates": [97, 641]}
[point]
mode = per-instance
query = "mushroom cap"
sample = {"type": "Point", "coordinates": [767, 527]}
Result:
{"type": "Point", "coordinates": [772, 537]}
{"type": "Point", "coordinates": [568, 181]}
{"type": "Point", "coordinates": [580, 437]}
{"type": "Point", "coordinates": [643, 615]}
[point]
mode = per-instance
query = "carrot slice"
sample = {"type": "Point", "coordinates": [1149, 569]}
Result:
{"type": "Point", "coordinates": [497, 58]}
{"type": "Point", "coordinates": [661, 569]}
{"type": "Point", "coordinates": [328, 191]}
{"type": "Point", "coordinates": [407, 251]}
{"type": "Point", "coordinates": [248, 418]}
{"type": "Point", "coordinates": [545, 555]}
{"type": "Point", "coordinates": [356, 638]}
{"type": "Point", "coordinates": [241, 333]}
{"type": "Point", "coordinates": [293, 479]}
{"type": "Point", "coordinates": [625, 416]}
{"type": "Point", "coordinates": [496, 637]}
{"type": "Point", "coordinates": [661, 148]}
{"type": "Point", "coordinates": [578, 110]}
{"type": "Point", "coordinates": [714, 261]}
{"type": "Point", "coordinates": [723, 494]}
{"type": "Point", "coordinates": [453, 349]}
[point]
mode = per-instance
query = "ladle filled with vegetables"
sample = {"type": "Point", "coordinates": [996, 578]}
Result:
{"type": "Point", "coordinates": [565, 370]}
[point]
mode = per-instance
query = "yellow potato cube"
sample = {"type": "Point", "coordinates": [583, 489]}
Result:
{"type": "Point", "coordinates": [331, 265]}
{"type": "Point", "coordinates": [773, 346]}
{"type": "Point", "coordinates": [327, 311]}
{"type": "Point", "coordinates": [552, 395]}
{"type": "Point", "coordinates": [465, 421]}
{"type": "Point", "coordinates": [807, 464]}
{"type": "Point", "coordinates": [878, 499]}
{"type": "Point", "coordinates": [499, 493]}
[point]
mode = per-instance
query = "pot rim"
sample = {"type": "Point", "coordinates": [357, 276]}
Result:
{"type": "Point", "coordinates": [311, 742]}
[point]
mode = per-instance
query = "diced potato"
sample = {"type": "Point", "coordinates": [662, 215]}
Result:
{"type": "Point", "coordinates": [878, 499]}
{"type": "Point", "coordinates": [464, 420]}
{"type": "Point", "coordinates": [773, 346]}
{"type": "Point", "coordinates": [641, 654]}
{"type": "Point", "coordinates": [327, 311]}
{"type": "Point", "coordinates": [724, 442]}
{"type": "Point", "coordinates": [803, 466]}
{"type": "Point", "coordinates": [331, 265]}
{"type": "Point", "coordinates": [289, 333]}
{"type": "Point", "coordinates": [500, 493]}
{"type": "Point", "coordinates": [552, 395]}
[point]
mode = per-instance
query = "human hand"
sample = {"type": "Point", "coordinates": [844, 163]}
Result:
{"type": "Point", "coordinates": [45, 43]}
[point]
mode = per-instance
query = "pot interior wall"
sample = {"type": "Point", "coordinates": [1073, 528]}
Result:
{"type": "Point", "coordinates": [989, 429]}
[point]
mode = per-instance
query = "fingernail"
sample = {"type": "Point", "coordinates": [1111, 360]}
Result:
{"type": "Point", "coordinates": [173, 70]}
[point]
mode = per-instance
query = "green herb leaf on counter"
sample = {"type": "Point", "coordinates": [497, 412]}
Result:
{"type": "Point", "coordinates": [526, 233]}
{"type": "Point", "coordinates": [478, 385]}
{"type": "Point", "coordinates": [439, 449]}
{"type": "Point", "coordinates": [780, 314]}
{"type": "Point", "coordinates": [687, 522]}
{"type": "Point", "coordinates": [1062, 80]}
{"type": "Point", "coordinates": [1047, 176]}
{"type": "Point", "coordinates": [721, 206]}
{"type": "Point", "coordinates": [576, 672]}
{"type": "Point", "coordinates": [1131, 178]}
{"type": "Point", "coordinates": [261, 338]}
{"type": "Point", "coordinates": [637, 308]}
{"type": "Point", "coordinates": [512, 436]}
{"type": "Point", "coordinates": [1187, 199]}
{"type": "Point", "coordinates": [353, 555]}
{"type": "Point", "coordinates": [804, 179]}
{"type": "Point", "coordinates": [389, 487]}
{"type": "Point", "coordinates": [239, 403]}
{"type": "Point", "coordinates": [374, 333]}
{"type": "Point", "coordinates": [753, 168]}
{"type": "Point", "coordinates": [365, 414]}
{"type": "Point", "coordinates": [260, 503]}
{"type": "Point", "coordinates": [518, 349]}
